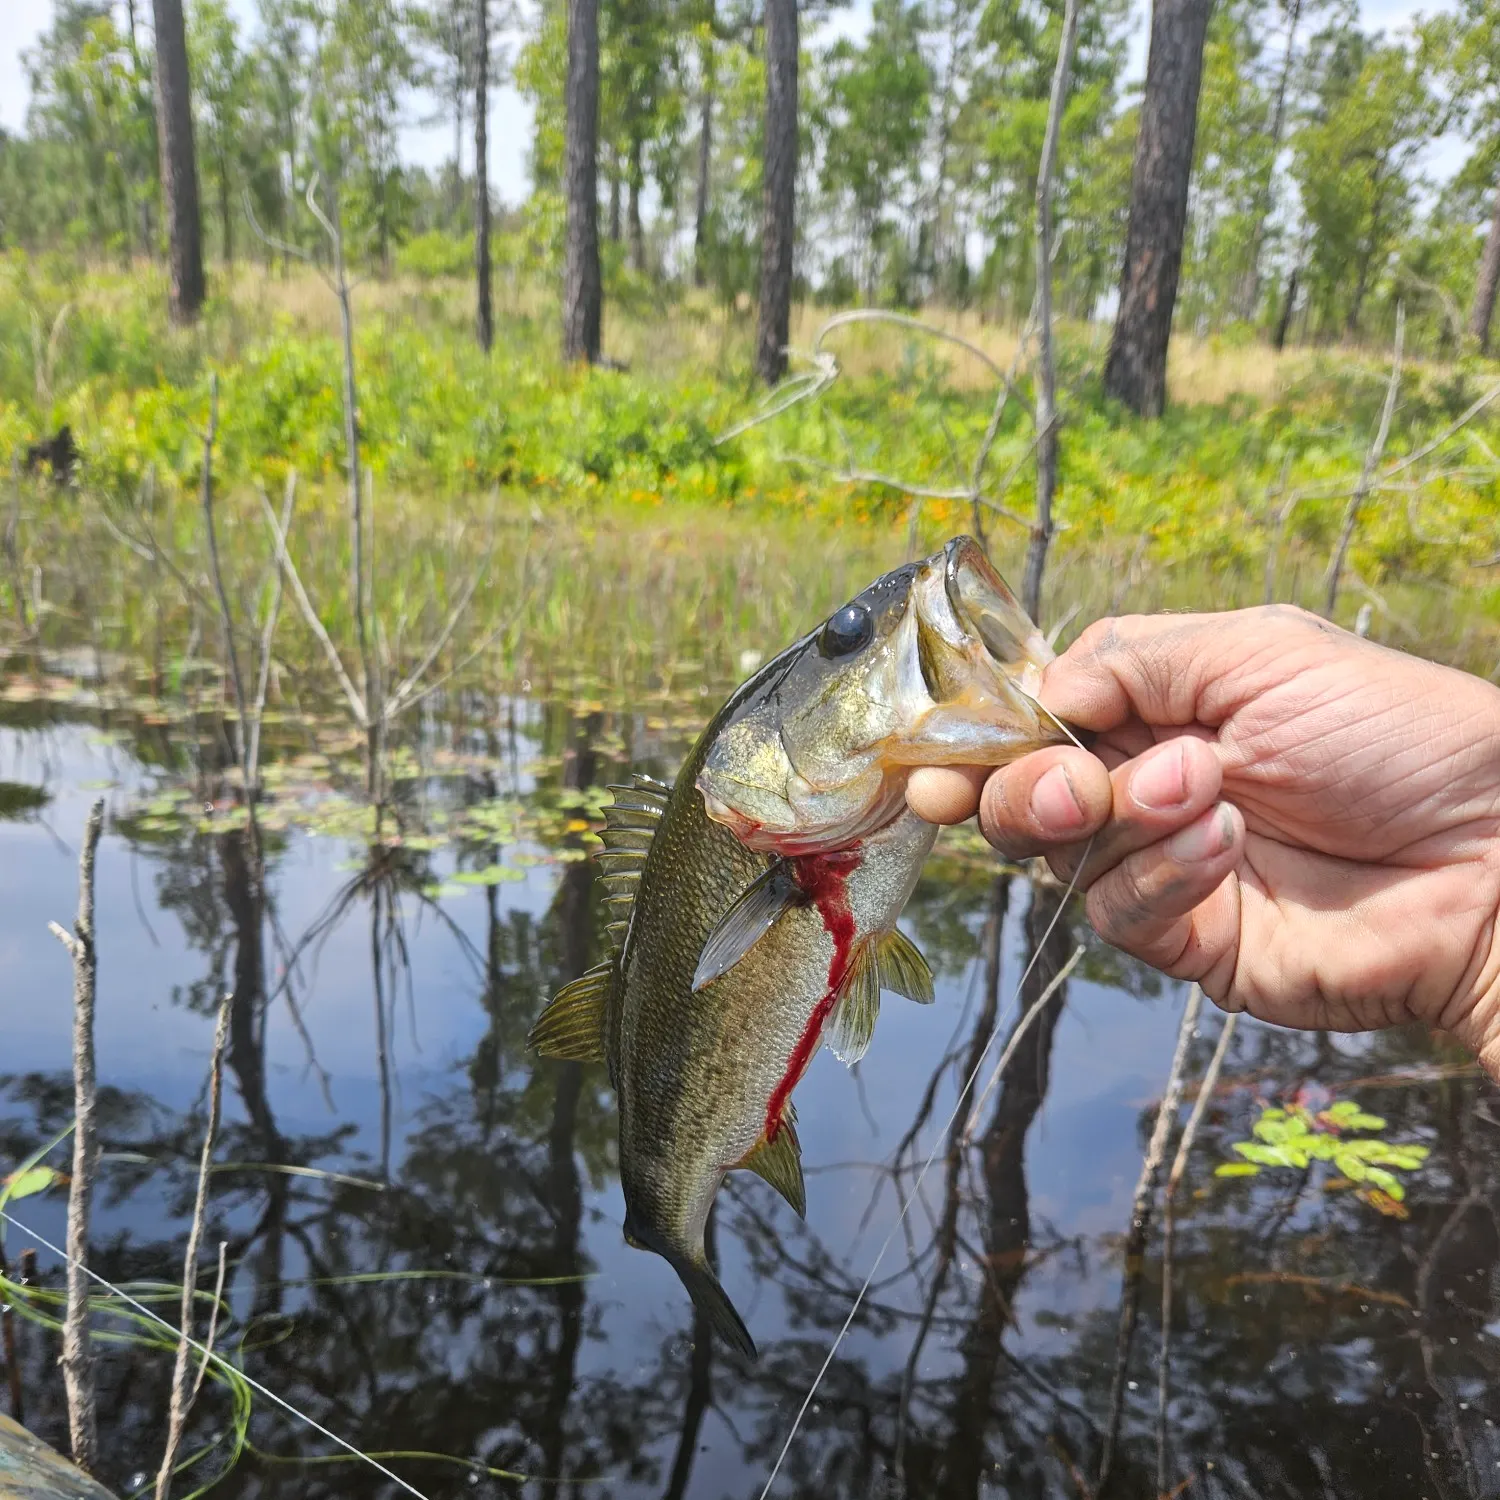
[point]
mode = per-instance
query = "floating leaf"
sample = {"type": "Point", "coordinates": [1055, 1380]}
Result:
{"type": "Point", "coordinates": [1236, 1169]}
{"type": "Point", "coordinates": [489, 875]}
{"type": "Point", "coordinates": [33, 1180]}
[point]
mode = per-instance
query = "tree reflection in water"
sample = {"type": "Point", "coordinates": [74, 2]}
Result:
{"type": "Point", "coordinates": [1318, 1349]}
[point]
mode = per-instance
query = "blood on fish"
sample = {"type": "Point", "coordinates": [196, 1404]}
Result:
{"type": "Point", "coordinates": [824, 879]}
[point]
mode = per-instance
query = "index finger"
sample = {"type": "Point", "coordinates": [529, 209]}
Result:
{"type": "Point", "coordinates": [1178, 670]}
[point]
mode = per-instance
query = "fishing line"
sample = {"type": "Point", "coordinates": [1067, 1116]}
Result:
{"type": "Point", "coordinates": [208, 1354]}
{"type": "Point", "coordinates": [942, 1137]}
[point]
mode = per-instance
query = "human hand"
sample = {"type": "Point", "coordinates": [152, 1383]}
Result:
{"type": "Point", "coordinates": [1304, 822]}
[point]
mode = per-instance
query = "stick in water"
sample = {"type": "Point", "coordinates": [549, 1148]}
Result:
{"type": "Point", "coordinates": [77, 1356]}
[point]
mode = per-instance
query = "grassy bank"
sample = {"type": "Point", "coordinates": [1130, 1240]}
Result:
{"type": "Point", "coordinates": [617, 535]}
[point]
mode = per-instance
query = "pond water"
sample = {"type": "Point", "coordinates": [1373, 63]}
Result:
{"type": "Point", "coordinates": [422, 1220]}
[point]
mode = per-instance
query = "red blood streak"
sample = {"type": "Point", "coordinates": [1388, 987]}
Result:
{"type": "Point", "coordinates": [824, 879]}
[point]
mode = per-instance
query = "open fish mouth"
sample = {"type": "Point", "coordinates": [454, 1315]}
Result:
{"type": "Point", "coordinates": [979, 659]}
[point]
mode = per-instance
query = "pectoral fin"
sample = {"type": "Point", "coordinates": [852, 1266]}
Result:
{"type": "Point", "coordinates": [883, 960]}
{"type": "Point", "coordinates": [779, 1162]}
{"type": "Point", "coordinates": [747, 922]}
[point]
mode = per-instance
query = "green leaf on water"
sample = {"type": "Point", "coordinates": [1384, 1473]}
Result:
{"type": "Point", "coordinates": [489, 875]}
{"type": "Point", "coordinates": [31, 1181]}
{"type": "Point", "coordinates": [1236, 1169]}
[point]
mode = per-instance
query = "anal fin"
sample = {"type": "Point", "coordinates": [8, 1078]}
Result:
{"type": "Point", "coordinates": [573, 1023]}
{"type": "Point", "coordinates": [778, 1161]}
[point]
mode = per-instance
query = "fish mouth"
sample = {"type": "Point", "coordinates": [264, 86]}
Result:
{"type": "Point", "coordinates": [972, 668]}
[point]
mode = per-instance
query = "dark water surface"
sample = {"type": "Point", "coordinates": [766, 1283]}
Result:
{"type": "Point", "coordinates": [1319, 1347]}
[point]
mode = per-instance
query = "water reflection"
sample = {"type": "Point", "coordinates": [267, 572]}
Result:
{"type": "Point", "coordinates": [423, 1220]}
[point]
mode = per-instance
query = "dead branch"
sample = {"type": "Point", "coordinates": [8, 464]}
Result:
{"type": "Point", "coordinates": [1372, 457]}
{"type": "Point", "coordinates": [184, 1388]}
{"type": "Point", "coordinates": [226, 614]}
{"type": "Point", "coordinates": [355, 703]}
{"type": "Point", "coordinates": [1140, 1223]}
{"type": "Point", "coordinates": [1169, 1227]}
{"type": "Point", "coordinates": [77, 1355]}
{"type": "Point", "coordinates": [1053, 986]}
{"type": "Point", "coordinates": [267, 635]}
{"type": "Point", "coordinates": [1046, 369]}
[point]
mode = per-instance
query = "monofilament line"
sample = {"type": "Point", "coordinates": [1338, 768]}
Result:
{"type": "Point", "coordinates": [208, 1354]}
{"type": "Point", "coordinates": [942, 1136]}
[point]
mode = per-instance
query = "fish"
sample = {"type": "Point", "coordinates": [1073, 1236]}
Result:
{"type": "Point", "coordinates": [753, 904]}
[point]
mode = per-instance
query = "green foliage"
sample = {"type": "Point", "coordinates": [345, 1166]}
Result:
{"type": "Point", "coordinates": [1296, 1137]}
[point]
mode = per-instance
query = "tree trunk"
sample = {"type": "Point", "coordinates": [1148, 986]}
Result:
{"type": "Point", "coordinates": [582, 288]}
{"type": "Point", "coordinates": [179, 167]}
{"type": "Point", "coordinates": [779, 194]}
{"type": "Point", "coordinates": [637, 233]}
{"type": "Point", "coordinates": [1489, 281]}
{"type": "Point", "coordinates": [1249, 298]}
{"type": "Point", "coordinates": [614, 201]}
{"type": "Point", "coordinates": [225, 231]}
{"type": "Point", "coordinates": [705, 163]}
{"type": "Point", "coordinates": [1284, 322]}
{"type": "Point", "coordinates": [1136, 372]}
{"type": "Point", "coordinates": [484, 321]}
{"type": "Point", "coordinates": [458, 146]}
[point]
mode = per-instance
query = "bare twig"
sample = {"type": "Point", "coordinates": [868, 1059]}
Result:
{"type": "Point", "coordinates": [310, 615]}
{"type": "Point", "coordinates": [77, 1356]}
{"type": "Point", "coordinates": [1169, 1227]}
{"type": "Point", "coordinates": [11, 546]}
{"type": "Point", "coordinates": [1283, 516]}
{"type": "Point", "coordinates": [1372, 458]}
{"type": "Point", "coordinates": [267, 635]}
{"type": "Point", "coordinates": [1046, 371]}
{"type": "Point", "coordinates": [1140, 1222]}
{"type": "Point", "coordinates": [184, 1387]}
{"type": "Point", "coordinates": [226, 614]}
{"type": "Point", "coordinates": [1053, 986]}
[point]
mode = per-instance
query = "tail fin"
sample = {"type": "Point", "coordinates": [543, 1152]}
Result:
{"type": "Point", "coordinates": [710, 1298]}
{"type": "Point", "coordinates": [698, 1277]}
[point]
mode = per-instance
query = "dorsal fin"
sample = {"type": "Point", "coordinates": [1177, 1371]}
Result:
{"type": "Point", "coordinates": [630, 823]}
{"type": "Point", "coordinates": [779, 1161]}
{"type": "Point", "coordinates": [572, 1024]}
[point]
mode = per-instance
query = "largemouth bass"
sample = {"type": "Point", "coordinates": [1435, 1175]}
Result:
{"type": "Point", "coordinates": [754, 904]}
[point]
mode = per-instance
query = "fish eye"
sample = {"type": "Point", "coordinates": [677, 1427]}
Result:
{"type": "Point", "coordinates": [846, 631]}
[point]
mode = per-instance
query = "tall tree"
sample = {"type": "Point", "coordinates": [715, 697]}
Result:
{"type": "Point", "coordinates": [179, 164]}
{"type": "Point", "coordinates": [583, 291]}
{"type": "Point", "coordinates": [778, 191]}
{"type": "Point", "coordinates": [1356, 164]}
{"type": "Point", "coordinates": [1136, 371]}
{"type": "Point", "coordinates": [707, 72]}
{"type": "Point", "coordinates": [222, 98]}
{"type": "Point", "coordinates": [484, 323]}
{"type": "Point", "coordinates": [1469, 44]}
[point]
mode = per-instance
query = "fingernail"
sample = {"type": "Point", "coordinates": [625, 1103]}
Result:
{"type": "Point", "coordinates": [1161, 781]}
{"type": "Point", "coordinates": [1054, 804]}
{"type": "Point", "coordinates": [1204, 838]}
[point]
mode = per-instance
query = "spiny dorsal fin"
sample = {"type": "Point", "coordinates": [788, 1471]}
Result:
{"type": "Point", "coordinates": [883, 960]}
{"type": "Point", "coordinates": [746, 922]}
{"type": "Point", "coordinates": [572, 1025]}
{"type": "Point", "coordinates": [629, 825]}
{"type": "Point", "coordinates": [779, 1162]}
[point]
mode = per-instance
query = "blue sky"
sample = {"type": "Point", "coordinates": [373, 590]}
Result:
{"type": "Point", "coordinates": [428, 141]}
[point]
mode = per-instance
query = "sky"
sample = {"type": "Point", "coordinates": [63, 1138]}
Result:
{"type": "Point", "coordinates": [427, 138]}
